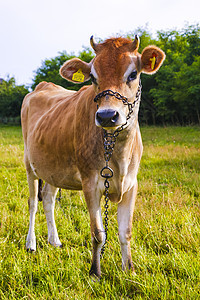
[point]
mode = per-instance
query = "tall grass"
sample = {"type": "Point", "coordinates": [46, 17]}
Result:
{"type": "Point", "coordinates": [166, 229]}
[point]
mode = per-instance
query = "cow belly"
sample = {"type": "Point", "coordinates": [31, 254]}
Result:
{"type": "Point", "coordinates": [69, 181]}
{"type": "Point", "coordinates": [68, 178]}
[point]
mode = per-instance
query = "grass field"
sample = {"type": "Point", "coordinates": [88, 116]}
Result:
{"type": "Point", "coordinates": [166, 229]}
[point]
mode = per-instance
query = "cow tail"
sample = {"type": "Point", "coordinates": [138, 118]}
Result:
{"type": "Point", "coordinates": [40, 190]}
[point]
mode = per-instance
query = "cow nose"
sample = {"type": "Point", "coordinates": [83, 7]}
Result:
{"type": "Point", "coordinates": [107, 117]}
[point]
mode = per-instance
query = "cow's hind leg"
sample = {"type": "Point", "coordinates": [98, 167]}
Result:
{"type": "Point", "coordinates": [48, 196]}
{"type": "Point", "coordinates": [124, 217]}
{"type": "Point", "coordinates": [33, 202]}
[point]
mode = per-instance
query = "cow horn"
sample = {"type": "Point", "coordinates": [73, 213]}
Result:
{"type": "Point", "coordinates": [93, 43]}
{"type": "Point", "coordinates": [135, 44]}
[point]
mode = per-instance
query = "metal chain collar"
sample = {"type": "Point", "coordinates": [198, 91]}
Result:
{"type": "Point", "coordinates": [109, 144]}
{"type": "Point", "coordinates": [124, 99]}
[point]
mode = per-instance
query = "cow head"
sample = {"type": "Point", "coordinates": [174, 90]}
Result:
{"type": "Point", "coordinates": [116, 67]}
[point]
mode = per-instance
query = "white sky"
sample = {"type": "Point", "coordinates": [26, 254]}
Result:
{"type": "Point", "coordinates": [33, 30]}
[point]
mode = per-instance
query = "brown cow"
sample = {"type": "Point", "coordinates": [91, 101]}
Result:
{"type": "Point", "coordinates": [64, 147]}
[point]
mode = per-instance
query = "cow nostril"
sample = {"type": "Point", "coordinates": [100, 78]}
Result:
{"type": "Point", "coordinates": [115, 117]}
{"type": "Point", "coordinates": [99, 117]}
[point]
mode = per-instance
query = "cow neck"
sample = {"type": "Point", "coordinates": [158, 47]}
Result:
{"type": "Point", "coordinates": [110, 139]}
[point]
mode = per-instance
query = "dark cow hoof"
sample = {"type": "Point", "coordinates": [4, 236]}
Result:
{"type": "Point", "coordinates": [94, 277]}
{"type": "Point", "coordinates": [130, 266]}
{"type": "Point", "coordinates": [29, 250]}
{"type": "Point", "coordinates": [94, 274]}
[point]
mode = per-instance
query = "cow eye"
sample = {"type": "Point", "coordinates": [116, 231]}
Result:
{"type": "Point", "coordinates": [132, 76]}
{"type": "Point", "coordinates": [93, 78]}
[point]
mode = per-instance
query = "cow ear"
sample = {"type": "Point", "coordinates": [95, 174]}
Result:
{"type": "Point", "coordinates": [76, 70]}
{"type": "Point", "coordinates": [151, 59]}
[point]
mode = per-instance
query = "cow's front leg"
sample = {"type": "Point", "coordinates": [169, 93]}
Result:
{"type": "Point", "coordinates": [49, 194]}
{"type": "Point", "coordinates": [97, 230]}
{"type": "Point", "coordinates": [124, 217]}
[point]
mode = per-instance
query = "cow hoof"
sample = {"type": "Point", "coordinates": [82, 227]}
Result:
{"type": "Point", "coordinates": [29, 250]}
{"type": "Point", "coordinates": [31, 245]}
{"type": "Point", "coordinates": [54, 241]}
{"type": "Point", "coordinates": [60, 246]}
{"type": "Point", "coordinates": [131, 268]}
{"type": "Point", "coordinates": [56, 245]}
{"type": "Point", "coordinates": [95, 278]}
{"type": "Point", "coordinates": [94, 274]}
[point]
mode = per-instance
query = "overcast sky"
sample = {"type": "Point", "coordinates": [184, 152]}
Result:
{"type": "Point", "coordinates": [33, 30]}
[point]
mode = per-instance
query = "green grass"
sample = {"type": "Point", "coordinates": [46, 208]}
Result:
{"type": "Point", "coordinates": [166, 229]}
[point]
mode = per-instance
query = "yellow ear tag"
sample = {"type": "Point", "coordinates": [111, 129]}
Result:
{"type": "Point", "coordinates": [153, 62]}
{"type": "Point", "coordinates": [78, 76]}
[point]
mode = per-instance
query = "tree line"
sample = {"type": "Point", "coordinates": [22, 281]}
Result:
{"type": "Point", "coordinates": [171, 96]}
{"type": "Point", "coordinates": [11, 96]}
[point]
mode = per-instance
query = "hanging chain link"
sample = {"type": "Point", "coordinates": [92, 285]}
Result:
{"type": "Point", "coordinates": [109, 144]}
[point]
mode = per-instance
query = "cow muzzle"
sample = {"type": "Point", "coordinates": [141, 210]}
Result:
{"type": "Point", "coordinates": [109, 118]}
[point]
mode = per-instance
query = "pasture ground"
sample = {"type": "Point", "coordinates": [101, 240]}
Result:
{"type": "Point", "coordinates": [165, 239]}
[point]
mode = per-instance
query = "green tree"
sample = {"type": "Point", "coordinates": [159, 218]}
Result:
{"type": "Point", "coordinates": [11, 97]}
{"type": "Point", "coordinates": [175, 95]}
{"type": "Point", "coordinates": [192, 35]}
{"type": "Point", "coordinates": [187, 92]}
